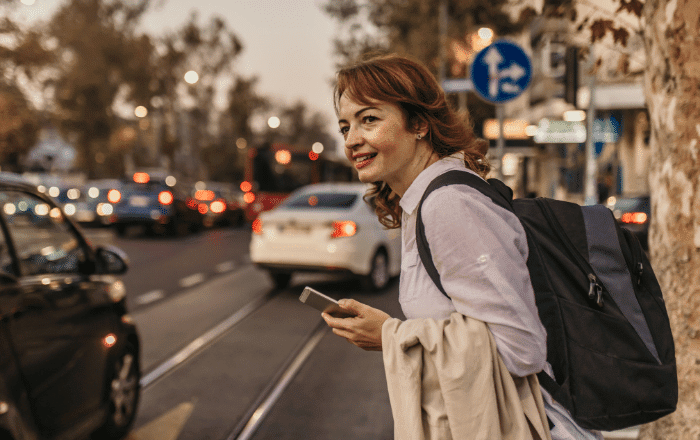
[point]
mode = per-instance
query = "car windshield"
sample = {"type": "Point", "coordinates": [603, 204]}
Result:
{"type": "Point", "coordinates": [322, 200]}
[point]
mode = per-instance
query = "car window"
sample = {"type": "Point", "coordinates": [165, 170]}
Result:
{"type": "Point", "coordinates": [632, 204]}
{"type": "Point", "coordinates": [321, 200]}
{"type": "Point", "coordinates": [44, 242]}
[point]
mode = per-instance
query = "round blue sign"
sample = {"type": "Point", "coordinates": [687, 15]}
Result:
{"type": "Point", "coordinates": [501, 71]}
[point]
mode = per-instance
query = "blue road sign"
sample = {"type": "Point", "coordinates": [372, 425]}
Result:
{"type": "Point", "coordinates": [501, 72]}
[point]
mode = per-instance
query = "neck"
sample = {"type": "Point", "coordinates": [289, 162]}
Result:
{"type": "Point", "coordinates": [422, 162]}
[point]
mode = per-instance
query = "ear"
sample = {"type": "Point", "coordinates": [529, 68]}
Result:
{"type": "Point", "coordinates": [420, 126]}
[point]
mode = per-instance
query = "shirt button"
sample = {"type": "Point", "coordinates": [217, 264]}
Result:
{"type": "Point", "coordinates": [482, 259]}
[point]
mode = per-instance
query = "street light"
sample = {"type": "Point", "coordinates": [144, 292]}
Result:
{"type": "Point", "coordinates": [273, 122]}
{"type": "Point", "coordinates": [191, 77]}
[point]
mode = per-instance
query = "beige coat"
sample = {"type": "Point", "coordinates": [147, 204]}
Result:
{"type": "Point", "coordinates": [447, 381]}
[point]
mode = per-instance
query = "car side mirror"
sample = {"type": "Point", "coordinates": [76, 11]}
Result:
{"type": "Point", "coordinates": [112, 259]}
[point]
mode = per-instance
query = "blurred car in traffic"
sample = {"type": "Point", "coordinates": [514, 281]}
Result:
{"type": "Point", "coordinates": [221, 203]}
{"type": "Point", "coordinates": [73, 201]}
{"type": "Point", "coordinates": [69, 353]}
{"type": "Point", "coordinates": [326, 227]}
{"type": "Point", "coordinates": [634, 214]}
{"type": "Point", "coordinates": [96, 197]}
{"type": "Point", "coordinates": [158, 202]}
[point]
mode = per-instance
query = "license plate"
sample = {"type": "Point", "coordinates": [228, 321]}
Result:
{"type": "Point", "coordinates": [139, 201]}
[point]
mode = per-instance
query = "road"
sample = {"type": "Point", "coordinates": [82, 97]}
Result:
{"type": "Point", "coordinates": [225, 356]}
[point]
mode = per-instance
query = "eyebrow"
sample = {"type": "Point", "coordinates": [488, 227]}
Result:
{"type": "Point", "coordinates": [358, 113]}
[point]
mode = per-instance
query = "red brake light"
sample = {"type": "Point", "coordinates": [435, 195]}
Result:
{"type": "Point", "coordinates": [114, 196]}
{"type": "Point", "coordinates": [343, 229]}
{"type": "Point", "coordinates": [165, 197]}
{"type": "Point", "coordinates": [217, 206]}
{"type": "Point", "coordinates": [637, 218]}
{"type": "Point", "coordinates": [249, 197]}
{"type": "Point", "coordinates": [257, 226]}
{"type": "Point", "coordinates": [246, 186]}
{"type": "Point", "coordinates": [141, 177]}
{"type": "Point", "coordinates": [204, 194]}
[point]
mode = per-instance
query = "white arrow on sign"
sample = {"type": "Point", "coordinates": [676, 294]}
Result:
{"type": "Point", "coordinates": [511, 88]}
{"type": "Point", "coordinates": [493, 58]}
{"type": "Point", "coordinates": [514, 72]}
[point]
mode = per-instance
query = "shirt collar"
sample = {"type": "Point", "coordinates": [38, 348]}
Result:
{"type": "Point", "coordinates": [415, 191]}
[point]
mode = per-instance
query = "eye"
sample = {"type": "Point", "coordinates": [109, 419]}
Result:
{"type": "Point", "coordinates": [369, 118]}
{"type": "Point", "coordinates": [344, 130]}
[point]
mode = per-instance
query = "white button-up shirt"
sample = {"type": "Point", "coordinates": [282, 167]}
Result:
{"type": "Point", "coordinates": [480, 251]}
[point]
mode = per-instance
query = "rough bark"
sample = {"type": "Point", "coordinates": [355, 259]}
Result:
{"type": "Point", "coordinates": [672, 82]}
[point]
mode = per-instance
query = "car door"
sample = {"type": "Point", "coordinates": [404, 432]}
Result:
{"type": "Point", "coordinates": [58, 322]}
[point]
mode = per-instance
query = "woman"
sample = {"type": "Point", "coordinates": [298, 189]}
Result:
{"type": "Point", "coordinates": [400, 134]}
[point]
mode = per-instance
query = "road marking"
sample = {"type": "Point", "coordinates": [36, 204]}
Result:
{"type": "Point", "coordinates": [226, 266]}
{"type": "Point", "coordinates": [168, 426]}
{"type": "Point", "coordinates": [149, 297]}
{"type": "Point", "coordinates": [191, 280]}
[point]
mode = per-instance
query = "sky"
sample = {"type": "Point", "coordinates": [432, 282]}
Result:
{"type": "Point", "coordinates": [287, 43]}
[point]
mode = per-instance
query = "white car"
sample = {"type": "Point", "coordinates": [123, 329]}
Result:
{"type": "Point", "coordinates": [322, 228]}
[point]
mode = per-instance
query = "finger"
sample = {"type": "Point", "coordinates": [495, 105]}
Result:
{"type": "Point", "coordinates": [333, 321]}
{"type": "Point", "coordinates": [353, 306]}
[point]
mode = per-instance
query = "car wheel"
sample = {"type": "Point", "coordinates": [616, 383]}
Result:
{"type": "Point", "coordinates": [123, 395]}
{"type": "Point", "coordinates": [378, 277]}
{"type": "Point", "coordinates": [281, 279]}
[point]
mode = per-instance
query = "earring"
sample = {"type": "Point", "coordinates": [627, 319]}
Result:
{"type": "Point", "coordinates": [419, 136]}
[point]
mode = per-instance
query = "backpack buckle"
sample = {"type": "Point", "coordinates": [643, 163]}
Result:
{"type": "Point", "coordinates": [595, 290]}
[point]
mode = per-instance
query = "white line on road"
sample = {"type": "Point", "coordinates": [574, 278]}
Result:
{"type": "Point", "coordinates": [191, 280]}
{"type": "Point", "coordinates": [147, 298]}
{"type": "Point", "coordinates": [226, 266]}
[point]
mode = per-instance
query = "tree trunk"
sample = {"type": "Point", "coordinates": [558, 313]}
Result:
{"type": "Point", "coordinates": [672, 83]}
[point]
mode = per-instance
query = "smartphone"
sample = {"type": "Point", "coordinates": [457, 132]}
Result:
{"type": "Point", "coordinates": [321, 302]}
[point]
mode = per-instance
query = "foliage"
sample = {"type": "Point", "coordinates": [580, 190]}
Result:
{"type": "Point", "coordinates": [411, 27]}
{"type": "Point", "coordinates": [18, 127]}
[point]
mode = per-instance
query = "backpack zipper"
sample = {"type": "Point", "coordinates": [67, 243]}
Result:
{"type": "Point", "coordinates": [595, 286]}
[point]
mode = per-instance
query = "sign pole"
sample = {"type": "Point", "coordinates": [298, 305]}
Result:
{"type": "Point", "coordinates": [500, 144]}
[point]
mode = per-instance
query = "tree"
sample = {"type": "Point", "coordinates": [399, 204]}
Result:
{"type": "Point", "coordinates": [672, 83]}
{"type": "Point", "coordinates": [100, 59]}
{"type": "Point", "coordinates": [18, 128]}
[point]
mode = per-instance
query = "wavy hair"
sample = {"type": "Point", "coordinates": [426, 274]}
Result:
{"type": "Point", "coordinates": [408, 84]}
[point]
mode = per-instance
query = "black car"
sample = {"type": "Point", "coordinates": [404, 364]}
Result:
{"type": "Point", "coordinates": [158, 202]}
{"type": "Point", "coordinates": [634, 214]}
{"type": "Point", "coordinates": [69, 353]}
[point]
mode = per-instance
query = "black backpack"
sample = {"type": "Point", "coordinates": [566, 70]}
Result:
{"type": "Point", "coordinates": [609, 340]}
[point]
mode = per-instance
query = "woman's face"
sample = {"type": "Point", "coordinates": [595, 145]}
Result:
{"type": "Point", "coordinates": [379, 144]}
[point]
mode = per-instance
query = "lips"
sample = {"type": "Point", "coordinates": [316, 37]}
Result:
{"type": "Point", "coordinates": [362, 160]}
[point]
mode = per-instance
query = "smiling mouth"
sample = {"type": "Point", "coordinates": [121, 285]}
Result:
{"type": "Point", "coordinates": [364, 159]}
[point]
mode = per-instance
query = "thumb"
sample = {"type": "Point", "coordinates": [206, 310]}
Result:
{"type": "Point", "coordinates": [352, 305]}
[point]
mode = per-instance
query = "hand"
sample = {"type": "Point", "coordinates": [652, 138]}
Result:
{"type": "Point", "coordinates": [363, 330]}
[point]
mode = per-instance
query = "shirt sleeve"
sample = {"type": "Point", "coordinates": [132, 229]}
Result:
{"type": "Point", "coordinates": [480, 252]}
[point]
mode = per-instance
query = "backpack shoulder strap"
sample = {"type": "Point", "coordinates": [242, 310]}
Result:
{"type": "Point", "coordinates": [496, 190]}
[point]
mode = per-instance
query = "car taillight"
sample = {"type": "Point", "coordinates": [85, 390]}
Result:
{"type": "Point", "coordinates": [217, 206]}
{"type": "Point", "coordinates": [202, 208]}
{"type": "Point", "coordinates": [165, 197]}
{"type": "Point", "coordinates": [343, 229]}
{"type": "Point", "coordinates": [638, 218]}
{"type": "Point", "coordinates": [114, 196]}
{"type": "Point", "coordinates": [249, 197]}
{"type": "Point", "coordinates": [257, 226]}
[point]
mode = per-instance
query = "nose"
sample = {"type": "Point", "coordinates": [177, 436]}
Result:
{"type": "Point", "coordinates": [352, 138]}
